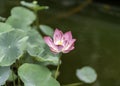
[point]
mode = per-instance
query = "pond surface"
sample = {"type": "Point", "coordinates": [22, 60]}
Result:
{"type": "Point", "coordinates": [97, 45]}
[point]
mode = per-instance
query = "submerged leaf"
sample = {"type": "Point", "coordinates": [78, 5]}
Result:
{"type": "Point", "coordinates": [86, 74]}
{"type": "Point", "coordinates": [36, 75]}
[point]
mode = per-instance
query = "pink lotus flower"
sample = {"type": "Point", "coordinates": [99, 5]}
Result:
{"type": "Point", "coordinates": [61, 42]}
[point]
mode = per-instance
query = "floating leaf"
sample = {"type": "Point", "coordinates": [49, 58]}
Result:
{"type": "Point", "coordinates": [21, 17]}
{"type": "Point", "coordinates": [86, 74]}
{"type": "Point", "coordinates": [46, 30]}
{"type": "Point", "coordinates": [12, 45]}
{"type": "Point", "coordinates": [36, 75]}
{"type": "Point", "coordinates": [4, 74]}
{"type": "Point", "coordinates": [5, 27]}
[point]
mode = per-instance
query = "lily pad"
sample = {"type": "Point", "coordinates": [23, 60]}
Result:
{"type": "Point", "coordinates": [86, 74]}
{"type": "Point", "coordinates": [36, 75]}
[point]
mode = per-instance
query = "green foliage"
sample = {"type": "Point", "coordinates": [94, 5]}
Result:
{"type": "Point", "coordinates": [21, 18]}
{"type": "Point", "coordinates": [43, 55]}
{"type": "Point", "coordinates": [12, 45]}
{"type": "Point", "coordinates": [11, 75]}
{"type": "Point", "coordinates": [18, 36]}
{"type": "Point", "coordinates": [36, 75]}
{"type": "Point", "coordinates": [35, 38]}
{"type": "Point", "coordinates": [34, 6]}
{"type": "Point", "coordinates": [2, 18]}
{"type": "Point", "coordinates": [4, 74]}
{"type": "Point", "coordinates": [47, 30]}
{"type": "Point", "coordinates": [21, 41]}
{"type": "Point", "coordinates": [38, 49]}
{"type": "Point", "coordinates": [5, 28]}
{"type": "Point", "coordinates": [86, 74]}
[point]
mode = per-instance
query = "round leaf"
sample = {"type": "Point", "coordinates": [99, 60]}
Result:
{"type": "Point", "coordinates": [36, 75]}
{"type": "Point", "coordinates": [46, 30]}
{"type": "Point", "coordinates": [4, 74]}
{"type": "Point", "coordinates": [12, 45]}
{"type": "Point", "coordinates": [21, 17]}
{"type": "Point", "coordinates": [86, 74]}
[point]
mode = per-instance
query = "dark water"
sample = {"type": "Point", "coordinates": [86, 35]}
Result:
{"type": "Point", "coordinates": [98, 43]}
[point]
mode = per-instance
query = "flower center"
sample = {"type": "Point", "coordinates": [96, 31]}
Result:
{"type": "Point", "coordinates": [60, 43]}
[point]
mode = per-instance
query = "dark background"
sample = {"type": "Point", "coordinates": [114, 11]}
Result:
{"type": "Point", "coordinates": [111, 2]}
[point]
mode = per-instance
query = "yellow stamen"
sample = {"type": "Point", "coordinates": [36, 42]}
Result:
{"type": "Point", "coordinates": [60, 43]}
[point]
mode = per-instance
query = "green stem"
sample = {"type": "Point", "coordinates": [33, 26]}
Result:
{"type": "Point", "coordinates": [73, 84]}
{"type": "Point", "coordinates": [13, 78]}
{"type": "Point", "coordinates": [19, 84]}
{"type": "Point", "coordinates": [18, 64]}
{"type": "Point", "coordinates": [37, 19]}
{"type": "Point", "coordinates": [57, 70]}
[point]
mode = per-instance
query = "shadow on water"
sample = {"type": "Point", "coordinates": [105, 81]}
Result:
{"type": "Point", "coordinates": [98, 44]}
